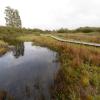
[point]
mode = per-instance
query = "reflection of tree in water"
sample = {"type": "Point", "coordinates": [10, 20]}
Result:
{"type": "Point", "coordinates": [18, 47]}
{"type": "Point", "coordinates": [35, 91]}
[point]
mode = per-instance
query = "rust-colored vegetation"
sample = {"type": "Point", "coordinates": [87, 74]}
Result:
{"type": "Point", "coordinates": [5, 96]}
{"type": "Point", "coordinates": [79, 74]}
{"type": "Point", "coordinates": [2, 51]}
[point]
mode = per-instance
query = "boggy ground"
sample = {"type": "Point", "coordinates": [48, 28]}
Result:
{"type": "Point", "coordinates": [79, 74]}
{"type": "Point", "coordinates": [78, 77]}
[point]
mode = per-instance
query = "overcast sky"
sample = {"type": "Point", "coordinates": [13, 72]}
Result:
{"type": "Point", "coordinates": [54, 14]}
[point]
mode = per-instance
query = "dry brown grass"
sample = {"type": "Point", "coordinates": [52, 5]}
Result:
{"type": "Point", "coordinates": [81, 36]}
{"type": "Point", "coordinates": [5, 96]}
{"type": "Point", "coordinates": [3, 51]}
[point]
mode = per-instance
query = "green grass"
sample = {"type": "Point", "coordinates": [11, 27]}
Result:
{"type": "Point", "coordinates": [27, 37]}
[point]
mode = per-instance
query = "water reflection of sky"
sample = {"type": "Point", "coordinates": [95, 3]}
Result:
{"type": "Point", "coordinates": [34, 70]}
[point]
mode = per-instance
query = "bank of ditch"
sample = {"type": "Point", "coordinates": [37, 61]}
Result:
{"type": "Point", "coordinates": [78, 77]}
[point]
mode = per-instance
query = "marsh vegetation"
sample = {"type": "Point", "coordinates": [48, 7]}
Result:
{"type": "Point", "coordinates": [78, 77]}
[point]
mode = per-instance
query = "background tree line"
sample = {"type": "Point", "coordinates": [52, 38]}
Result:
{"type": "Point", "coordinates": [13, 22]}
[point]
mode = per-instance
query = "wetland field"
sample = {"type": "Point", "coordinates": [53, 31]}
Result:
{"type": "Point", "coordinates": [38, 67]}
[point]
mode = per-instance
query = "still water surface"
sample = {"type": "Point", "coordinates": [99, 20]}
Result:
{"type": "Point", "coordinates": [28, 71]}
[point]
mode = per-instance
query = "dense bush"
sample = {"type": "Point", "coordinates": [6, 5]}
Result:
{"type": "Point", "coordinates": [62, 30]}
{"type": "Point", "coordinates": [88, 29]}
{"type": "Point", "coordinates": [7, 30]}
{"type": "Point", "coordinates": [81, 29]}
